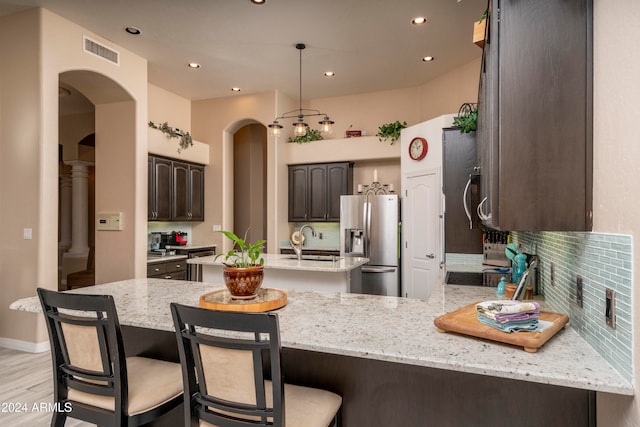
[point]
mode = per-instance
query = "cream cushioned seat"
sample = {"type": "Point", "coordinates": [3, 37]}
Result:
{"type": "Point", "coordinates": [151, 383]}
{"type": "Point", "coordinates": [306, 406]}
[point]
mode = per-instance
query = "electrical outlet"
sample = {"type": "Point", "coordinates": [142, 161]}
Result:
{"type": "Point", "coordinates": [579, 289]}
{"type": "Point", "coordinates": [552, 274]}
{"type": "Point", "coordinates": [610, 307]}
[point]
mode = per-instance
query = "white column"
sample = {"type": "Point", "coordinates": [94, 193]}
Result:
{"type": "Point", "coordinates": [79, 207]}
{"type": "Point", "coordinates": [65, 212]}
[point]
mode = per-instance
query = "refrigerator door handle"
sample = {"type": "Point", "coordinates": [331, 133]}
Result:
{"type": "Point", "coordinates": [464, 201]}
{"type": "Point", "coordinates": [370, 269]}
{"type": "Point", "coordinates": [367, 225]}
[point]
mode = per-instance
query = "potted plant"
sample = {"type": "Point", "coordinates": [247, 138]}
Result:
{"type": "Point", "coordinates": [243, 266]}
{"type": "Point", "coordinates": [467, 118]}
{"type": "Point", "coordinates": [390, 131]}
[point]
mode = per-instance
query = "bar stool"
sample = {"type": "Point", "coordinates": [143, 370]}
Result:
{"type": "Point", "coordinates": [224, 357]}
{"type": "Point", "coordinates": [93, 380]}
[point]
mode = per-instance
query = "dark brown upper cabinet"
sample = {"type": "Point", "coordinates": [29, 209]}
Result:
{"type": "Point", "coordinates": [315, 190]}
{"type": "Point", "coordinates": [535, 120]}
{"type": "Point", "coordinates": [176, 187]}
{"type": "Point", "coordinates": [159, 192]}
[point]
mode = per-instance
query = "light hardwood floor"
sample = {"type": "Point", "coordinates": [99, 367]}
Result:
{"type": "Point", "coordinates": [26, 384]}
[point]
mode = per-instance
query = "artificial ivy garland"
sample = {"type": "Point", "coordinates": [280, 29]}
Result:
{"type": "Point", "coordinates": [184, 137]}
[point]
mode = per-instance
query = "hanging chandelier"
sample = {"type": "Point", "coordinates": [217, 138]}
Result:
{"type": "Point", "coordinates": [300, 113]}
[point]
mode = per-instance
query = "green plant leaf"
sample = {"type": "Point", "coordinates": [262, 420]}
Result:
{"type": "Point", "coordinates": [390, 131]}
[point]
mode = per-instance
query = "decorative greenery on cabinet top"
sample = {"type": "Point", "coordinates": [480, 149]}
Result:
{"type": "Point", "coordinates": [185, 140]}
{"type": "Point", "coordinates": [390, 131]}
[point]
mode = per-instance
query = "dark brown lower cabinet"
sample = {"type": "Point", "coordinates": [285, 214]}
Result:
{"type": "Point", "coordinates": [380, 393]}
{"type": "Point", "coordinates": [176, 270]}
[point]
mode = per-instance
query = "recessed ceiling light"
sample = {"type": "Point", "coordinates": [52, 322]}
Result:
{"type": "Point", "coordinates": [419, 20]}
{"type": "Point", "coordinates": [134, 31]}
{"type": "Point", "coordinates": [428, 58]}
{"type": "Point", "coordinates": [193, 65]}
{"type": "Point", "coordinates": [235, 89]}
{"type": "Point", "coordinates": [258, 1]}
{"type": "Point", "coordinates": [329, 74]}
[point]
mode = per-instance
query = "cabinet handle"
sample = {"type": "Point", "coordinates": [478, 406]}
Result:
{"type": "Point", "coordinates": [168, 276]}
{"type": "Point", "coordinates": [178, 265]}
{"type": "Point", "coordinates": [430, 256]}
{"type": "Point", "coordinates": [156, 269]}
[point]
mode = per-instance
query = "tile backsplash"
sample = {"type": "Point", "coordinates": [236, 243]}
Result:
{"type": "Point", "coordinates": [330, 235]}
{"type": "Point", "coordinates": [603, 261]}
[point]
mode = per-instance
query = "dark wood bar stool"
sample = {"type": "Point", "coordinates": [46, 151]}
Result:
{"type": "Point", "coordinates": [93, 380]}
{"type": "Point", "coordinates": [224, 357]}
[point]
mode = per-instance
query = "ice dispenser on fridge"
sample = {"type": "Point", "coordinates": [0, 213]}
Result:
{"type": "Point", "coordinates": [354, 242]}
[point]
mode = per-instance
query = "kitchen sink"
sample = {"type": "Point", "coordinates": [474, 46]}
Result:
{"type": "Point", "coordinates": [316, 258]}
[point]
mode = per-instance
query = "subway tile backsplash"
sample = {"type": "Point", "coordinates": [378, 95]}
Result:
{"type": "Point", "coordinates": [603, 261]}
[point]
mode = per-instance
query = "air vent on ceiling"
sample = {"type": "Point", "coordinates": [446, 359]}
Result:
{"type": "Point", "coordinates": [95, 48]}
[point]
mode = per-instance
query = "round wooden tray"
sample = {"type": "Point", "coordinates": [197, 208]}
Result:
{"type": "Point", "coordinates": [266, 300]}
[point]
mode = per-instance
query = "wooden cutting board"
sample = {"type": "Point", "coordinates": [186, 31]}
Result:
{"type": "Point", "coordinates": [465, 321]}
{"type": "Point", "coordinates": [267, 299]}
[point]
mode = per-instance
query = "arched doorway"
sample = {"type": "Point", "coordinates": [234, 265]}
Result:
{"type": "Point", "coordinates": [103, 168]}
{"type": "Point", "coordinates": [250, 181]}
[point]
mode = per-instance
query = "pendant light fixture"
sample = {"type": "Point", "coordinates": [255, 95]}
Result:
{"type": "Point", "coordinates": [300, 125]}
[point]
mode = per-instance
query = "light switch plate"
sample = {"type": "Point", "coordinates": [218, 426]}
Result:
{"type": "Point", "coordinates": [610, 307]}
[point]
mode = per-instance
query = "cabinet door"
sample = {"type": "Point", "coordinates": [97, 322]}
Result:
{"type": "Point", "coordinates": [298, 193]}
{"type": "Point", "coordinates": [487, 134]}
{"type": "Point", "coordinates": [339, 182]}
{"type": "Point", "coordinates": [180, 210]}
{"type": "Point", "coordinates": [159, 199]}
{"type": "Point", "coordinates": [535, 116]}
{"type": "Point", "coordinates": [196, 192]}
{"type": "Point", "coordinates": [317, 181]}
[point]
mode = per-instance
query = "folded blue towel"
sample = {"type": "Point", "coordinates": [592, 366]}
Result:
{"type": "Point", "coordinates": [515, 326]}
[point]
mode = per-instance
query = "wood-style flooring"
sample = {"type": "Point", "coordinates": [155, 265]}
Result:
{"type": "Point", "coordinates": [26, 390]}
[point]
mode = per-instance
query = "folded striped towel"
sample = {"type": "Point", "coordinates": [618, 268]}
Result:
{"type": "Point", "coordinates": [514, 326]}
{"type": "Point", "coordinates": [504, 311]}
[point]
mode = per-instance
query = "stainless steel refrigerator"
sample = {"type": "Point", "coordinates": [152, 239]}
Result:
{"type": "Point", "coordinates": [369, 228]}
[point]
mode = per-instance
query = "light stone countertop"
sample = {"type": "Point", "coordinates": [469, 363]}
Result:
{"type": "Point", "coordinates": [391, 329]}
{"type": "Point", "coordinates": [288, 262]}
{"type": "Point", "coordinates": [151, 259]}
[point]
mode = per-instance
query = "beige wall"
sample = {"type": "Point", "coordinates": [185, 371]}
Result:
{"type": "Point", "coordinates": [20, 174]}
{"type": "Point", "coordinates": [50, 46]}
{"type": "Point", "coordinates": [214, 120]}
{"type": "Point", "coordinates": [72, 129]}
{"type": "Point", "coordinates": [165, 106]}
{"type": "Point", "coordinates": [616, 161]}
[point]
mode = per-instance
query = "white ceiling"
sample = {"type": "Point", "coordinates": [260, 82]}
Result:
{"type": "Point", "coordinates": [369, 44]}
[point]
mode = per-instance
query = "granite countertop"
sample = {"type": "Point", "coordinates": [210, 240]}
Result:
{"type": "Point", "coordinates": [391, 329]}
{"type": "Point", "coordinates": [190, 247]}
{"type": "Point", "coordinates": [153, 259]}
{"type": "Point", "coordinates": [287, 262]}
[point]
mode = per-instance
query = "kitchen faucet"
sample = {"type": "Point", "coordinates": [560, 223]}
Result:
{"type": "Point", "coordinates": [298, 248]}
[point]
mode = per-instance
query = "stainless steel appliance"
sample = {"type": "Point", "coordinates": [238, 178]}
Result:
{"type": "Point", "coordinates": [194, 272]}
{"type": "Point", "coordinates": [369, 228]}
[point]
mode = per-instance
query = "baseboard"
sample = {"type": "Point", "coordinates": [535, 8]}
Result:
{"type": "Point", "coordinates": [26, 346]}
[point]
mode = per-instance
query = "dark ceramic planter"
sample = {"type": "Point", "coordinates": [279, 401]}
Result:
{"type": "Point", "coordinates": [243, 283]}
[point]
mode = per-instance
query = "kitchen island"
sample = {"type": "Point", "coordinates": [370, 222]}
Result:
{"type": "Point", "coordinates": [389, 362]}
{"type": "Point", "coordinates": [312, 273]}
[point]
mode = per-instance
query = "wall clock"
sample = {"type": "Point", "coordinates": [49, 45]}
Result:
{"type": "Point", "coordinates": [418, 148]}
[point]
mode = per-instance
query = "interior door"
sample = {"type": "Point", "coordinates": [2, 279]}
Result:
{"type": "Point", "coordinates": [421, 234]}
